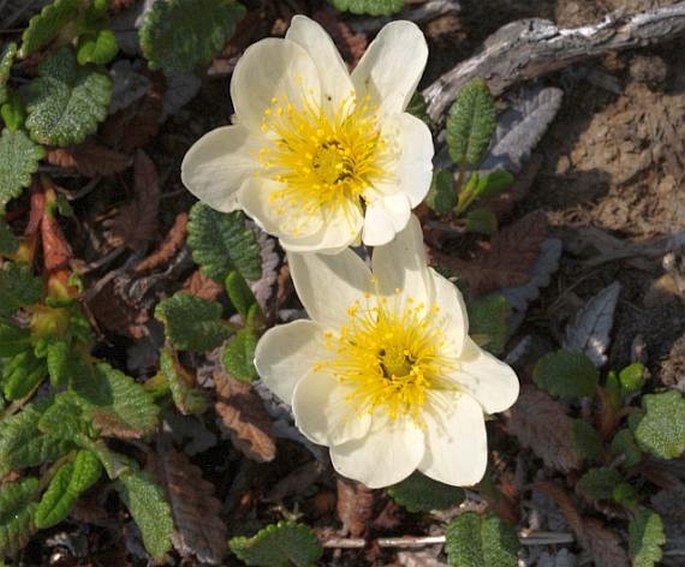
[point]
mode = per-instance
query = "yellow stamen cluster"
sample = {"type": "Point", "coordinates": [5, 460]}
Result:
{"type": "Point", "coordinates": [391, 356]}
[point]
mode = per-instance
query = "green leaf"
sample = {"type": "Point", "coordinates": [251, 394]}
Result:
{"type": "Point", "coordinates": [56, 502]}
{"type": "Point", "coordinates": [471, 122]}
{"type": "Point", "coordinates": [221, 243]}
{"type": "Point", "coordinates": [7, 53]}
{"type": "Point", "coordinates": [632, 378]}
{"type": "Point", "coordinates": [370, 7]}
{"type": "Point", "coordinates": [99, 48]}
{"type": "Point", "coordinates": [661, 431]}
{"type": "Point", "coordinates": [418, 493]}
{"type": "Point", "coordinates": [239, 355]}
{"type": "Point", "coordinates": [45, 26]}
{"type": "Point", "coordinates": [419, 107]}
{"type": "Point", "coordinates": [623, 444]}
{"type": "Point", "coordinates": [472, 541]}
{"type": "Point", "coordinates": [481, 221]}
{"type": "Point", "coordinates": [598, 483]}
{"type": "Point", "coordinates": [279, 545]}
{"type": "Point", "coordinates": [488, 322]}
{"type": "Point", "coordinates": [187, 399]}
{"type": "Point", "coordinates": [13, 339]}
{"type": "Point", "coordinates": [177, 35]}
{"type": "Point", "coordinates": [239, 293]}
{"type": "Point", "coordinates": [67, 101]}
{"type": "Point", "coordinates": [586, 440]}
{"type": "Point", "coordinates": [13, 112]}
{"type": "Point", "coordinates": [19, 158]}
{"type": "Point", "coordinates": [625, 495]}
{"type": "Point", "coordinates": [18, 288]}
{"type": "Point", "coordinates": [492, 183]}
{"type": "Point", "coordinates": [87, 471]}
{"type": "Point", "coordinates": [115, 464]}
{"type": "Point", "coordinates": [21, 374]}
{"type": "Point", "coordinates": [58, 361]}
{"type": "Point", "coordinates": [566, 374]}
{"type": "Point", "coordinates": [645, 538]}
{"type": "Point", "coordinates": [16, 514]}
{"type": "Point", "coordinates": [9, 243]}
{"type": "Point", "coordinates": [63, 419]}
{"type": "Point", "coordinates": [149, 508]}
{"type": "Point", "coordinates": [192, 323]}
{"type": "Point", "coordinates": [442, 195]}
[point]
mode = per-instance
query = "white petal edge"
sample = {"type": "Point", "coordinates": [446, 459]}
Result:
{"type": "Point", "coordinates": [335, 234]}
{"type": "Point", "coordinates": [390, 452]}
{"type": "Point", "coordinates": [328, 285]}
{"type": "Point", "coordinates": [452, 317]}
{"type": "Point", "coordinates": [286, 353]}
{"type": "Point", "coordinates": [272, 68]}
{"type": "Point", "coordinates": [392, 66]}
{"type": "Point", "coordinates": [384, 218]}
{"type": "Point", "coordinates": [322, 412]}
{"type": "Point", "coordinates": [456, 442]}
{"type": "Point", "coordinates": [217, 165]}
{"type": "Point", "coordinates": [490, 381]}
{"type": "Point", "coordinates": [336, 85]}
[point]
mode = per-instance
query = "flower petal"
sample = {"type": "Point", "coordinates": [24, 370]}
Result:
{"type": "Point", "coordinates": [414, 168]}
{"type": "Point", "coordinates": [335, 234]}
{"type": "Point", "coordinates": [489, 380]}
{"type": "Point", "coordinates": [272, 68]}
{"type": "Point", "coordinates": [323, 413]}
{"type": "Point", "coordinates": [385, 217]}
{"type": "Point", "coordinates": [336, 84]}
{"type": "Point", "coordinates": [391, 68]}
{"type": "Point", "coordinates": [456, 442]}
{"type": "Point", "coordinates": [285, 354]}
{"type": "Point", "coordinates": [452, 317]}
{"type": "Point", "coordinates": [328, 285]}
{"type": "Point", "coordinates": [217, 164]}
{"type": "Point", "coordinates": [388, 454]}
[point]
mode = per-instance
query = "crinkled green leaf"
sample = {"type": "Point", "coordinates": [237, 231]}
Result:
{"type": "Point", "coordinates": [87, 471]}
{"type": "Point", "coordinates": [84, 382]}
{"type": "Point", "coordinates": [625, 494]}
{"type": "Point", "coordinates": [566, 374]}
{"type": "Point", "coordinates": [16, 514]}
{"type": "Point", "coordinates": [488, 322]}
{"type": "Point", "coordinates": [284, 544]}
{"type": "Point", "coordinates": [21, 374]}
{"type": "Point", "coordinates": [149, 508]}
{"type": "Point", "coordinates": [481, 221]}
{"type": "Point", "coordinates": [598, 483]}
{"type": "Point", "coordinates": [418, 493]}
{"type": "Point", "coordinates": [58, 362]}
{"type": "Point", "coordinates": [177, 35]}
{"type": "Point", "coordinates": [586, 440]}
{"type": "Point", "coordinates": [13, 339]}
{"type": "Point", "coordinates": [492, 183]}
{"type": "Point", "coordinates": [442, 195]}
{"type": "Point", "coordinates": [623, 445]}
{"type": "Point", "coordinates": [57, 501]}
{"type": "Point", "coordinates": [115, 464]}
{"type": "Point", "coordinates": [370, 7]}
{"type": "Point", "coordinates": [471, 122]}
{"type": "Point", "coordinates": [239, 355]}
{"type": "Point", "coordinates": [9, 243]}
{"type": "Point", "coordinates": [221, 243]}
{"type": "Point", "coordinates": [239, 293]}
{"type": "Point", "coordinates": [645, 538]}
{"type": "Point", "coordinates": [98, 48]}
{"type": "Point", "coordinates": [187, 399]}
{"type": "Point", "coordinates": [45, 26]}
{"type": "Point", "coordinates": [661, 431]}
{"type": "Point", "coordinates": [67, 101]}
{"type": "Point", "coordinates": [13, 112]}
{"type": "Point", "coordinates": [632, 378]}
{"type": "Point", "coordinates": [63, 418]}
{"type": "Point", "coordinates": [19, 158]}
{"type": "Point", "coordinates": [192, 323]}
{"type": "Point", "coordinates": [472, 541]}
{"type": "Point", "coordinates": [7, 53]}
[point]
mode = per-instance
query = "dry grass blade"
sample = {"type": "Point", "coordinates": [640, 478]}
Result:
{"type": "Point", "coordinates": [354, 507]}
{"type": "Point", "coordinates": [89, 159]}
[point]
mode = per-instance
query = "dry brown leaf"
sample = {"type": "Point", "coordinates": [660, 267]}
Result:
{"type": "Point", "coordinates": [200, 531]}
{"type": "Point", "coordinates": [136, 223]}
{"type": "Point", "coordinates": [541, 423]}
{"type": "Point", "coordinates": [354, 507]}
{"type": "Point", "coordinates": [296, 482]}
{"type": "Point", "coordinates": [171, 244]}
{"type": "Point", "coordinates": [243, 415]}
{"type": "Point", "coordinates": [507, 259]}
{"type": "Point", "coordinates": [56, 250]}
{"type": "Point", "coordinates": [200, 285]}
{"type": "Point", "coordinates": [89, 159]}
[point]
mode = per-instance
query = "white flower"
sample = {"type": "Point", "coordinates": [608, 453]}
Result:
{"type": "Point", "coordinates": [318, 155]}
{"type": "Point", "coordinates": [385, 373]}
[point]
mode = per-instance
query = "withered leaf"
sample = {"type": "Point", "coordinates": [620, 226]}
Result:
{"type": "Point", "coordinates": [354, 507]}
{"type": "Point", "coordinates": [199, 532]}
{"type": "Point", "coordinates": [541, 423]}
{"type": "Point", "coordinates": [89, 159]}
{"type": "Point", "coordinates": [242, 413]}
{"type": "Point", "coordinates": [171, 244]}
{"type": "Point", "coordinates": [200, 285]}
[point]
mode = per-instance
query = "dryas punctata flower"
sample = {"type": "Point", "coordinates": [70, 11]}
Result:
{"type": "Point", "coordinates": [317, 156]}
{"type": "Point", "coordinates": [384, 373]}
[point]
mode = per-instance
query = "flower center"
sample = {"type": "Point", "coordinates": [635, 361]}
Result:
{"type": "Point", "coordinates": [325, 160]}
{"type": "Point", "coordinates": [390, 355]}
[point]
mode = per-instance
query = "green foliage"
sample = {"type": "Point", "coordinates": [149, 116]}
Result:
{"type": "Point", "coordinates": [623, 444]}
{"type": "Point", "coordinates": [99, 48]}
{"type": "Point", "coordinates": [67, 101]}
{"type": "Point", "coordinates": [21, 374]}
{"type": "Point", "coordinates": [239, 355]}
{"type": "Point", "coordinates": [186, 398]}
{"type": "Point", "coordinates": [598, 483]}
{"type": "Point", "coordinates": [370, 7]}
{"type": "Point", "coordinates": [16, 514]}
{"type": "Point", "coordinates": [240, 294]}
{"type": "Point", "coordinates": [13, 340]}
{"type": "Point", "coordinates": [442, 195]}
{"type": "Point", "coordinates": [661, 431]}
{"type": "Point", "coordinates": [176, 35]}
{"type": "Point", "coordinates": [418, 107]}
{"type": "Point", "coordinates": [149, 508]}
{"type": "Point", "coordinates": [9, 243]}
{"type": "Point", "coordinates": [418, 493]}
{"type": "Point", "coordinates": [57, 501]}
{"type": "Point", "coordinates": [18, 288]}
{"type": "Point", "coordinates": [471, 122]}
{"type": "Point", "coordinates": [566, 374]}
{"type": "Point", "coordinates": [645, 538]}
{"type": "Point", "coordinates": [490, 184]}
{"type": "Point", "coordinates": [45, 27]}
{"type": "Point", "coordinates": [279, 545]}
{"type": "Point", "coordinates": [632, 378]}
{"type": "Point", "coordinates": [19, 158]}
{"type": "Point", "coordinates": [7, 53]}
{"type": "Point", "coordinates": [586, 440]}
{"type": "Point", "coordinates": [12, 112]}
{"type": "Point", "coordinates": [488, 321]}
{"type": "Point", "coordinates": [63, 418]}
{"type": "Point", "coordinates": [221, 243]}
{"type": "Point", "coordinates": [472, 541]}
{"type": "Point", "coordinates": [58, 362]}
{"type": "Point", "coordinates": [481, 221]}
{"type": "Point", "coordinates": [115, 464]}
{"type": "Point", "coordinates": [192, 323]}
